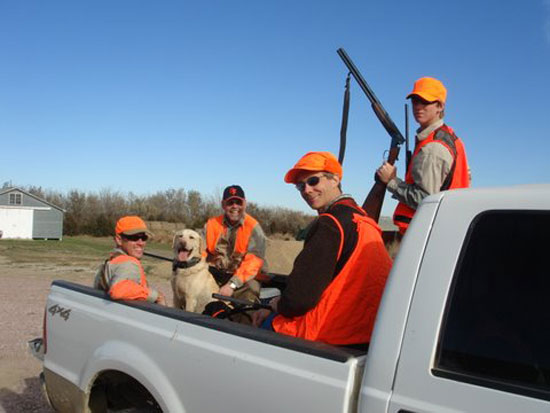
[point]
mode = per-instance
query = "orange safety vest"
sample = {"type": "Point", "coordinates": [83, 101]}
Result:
{"type": "Point", "coordinates": [347, 309]}
{"type": "Point", "coordinates": [251, 264]}
{"type": "Point", "coordinates": [458, 175]}
{"type": "Point", "coordinates": [129, 289]}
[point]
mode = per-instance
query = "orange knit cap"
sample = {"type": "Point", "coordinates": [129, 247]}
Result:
{"type": "Point", "coordinates": [429, 89]}
{"type": "Point", "coordinates": [315, 161]}
{"type": "Point", "coordinates": [131, 225]}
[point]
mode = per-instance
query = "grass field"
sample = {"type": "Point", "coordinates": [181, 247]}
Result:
{"type": "Point", "coordinates": [85, 253]}
{"type": "Point", "coordinates": [80, 252]}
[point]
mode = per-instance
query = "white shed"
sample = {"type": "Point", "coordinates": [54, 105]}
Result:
{"type": "Point", "coordinates": [26, 216]}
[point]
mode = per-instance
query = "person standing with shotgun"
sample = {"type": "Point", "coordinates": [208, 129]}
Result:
{"type": "Point", "coordinates": [438, 162]}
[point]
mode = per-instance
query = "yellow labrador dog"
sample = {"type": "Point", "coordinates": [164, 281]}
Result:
{"type": "Point", "coordinates": [192, 283]}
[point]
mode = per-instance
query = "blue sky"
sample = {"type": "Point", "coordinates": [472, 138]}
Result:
{"type": "Point", "coordinates": [144, 96]}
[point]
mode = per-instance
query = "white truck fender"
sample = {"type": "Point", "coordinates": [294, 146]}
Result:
{"type": "Point", "coordinates": [129, 359]}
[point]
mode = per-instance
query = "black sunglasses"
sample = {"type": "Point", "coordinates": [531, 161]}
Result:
{"type": "Point", "coordinates": [311, 181]}
{"type": "Point", "coordinates": [141, 236]}
{"type": "Point", "coordinates": [234, 201]}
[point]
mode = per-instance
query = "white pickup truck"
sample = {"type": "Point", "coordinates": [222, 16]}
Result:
{"type": "Point", "coordinates": [464, 325]}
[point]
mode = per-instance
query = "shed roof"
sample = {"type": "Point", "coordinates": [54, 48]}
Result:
{"type": "Point", "coordinates": [14, 188]}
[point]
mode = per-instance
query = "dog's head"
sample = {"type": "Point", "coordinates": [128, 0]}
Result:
{"type": "Point", "coordinates": [187, 244]}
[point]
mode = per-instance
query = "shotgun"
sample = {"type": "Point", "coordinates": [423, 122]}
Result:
{"type": "Point", "coordinates": [243, 303]}
{"type": "Point", "coordinates": [408, 153]}
{"type": "Point", "coordinates": [375, 198]}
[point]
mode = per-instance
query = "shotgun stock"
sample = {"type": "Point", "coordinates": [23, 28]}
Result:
{"type": "Point", "coordinates": [375, 198]}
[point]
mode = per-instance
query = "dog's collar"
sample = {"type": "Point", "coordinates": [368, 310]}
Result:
{"type": "Point", "coordinates": [185, 264]}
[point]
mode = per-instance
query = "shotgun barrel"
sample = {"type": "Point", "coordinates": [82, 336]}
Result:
{"type": "Point", "coordinates": [375, 198]}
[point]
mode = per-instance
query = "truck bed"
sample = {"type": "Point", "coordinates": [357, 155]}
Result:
{"type": "Point", "coordinates": [174, 353]}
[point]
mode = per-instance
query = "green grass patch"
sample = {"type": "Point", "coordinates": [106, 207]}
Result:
{"type": "Point", "coordinates": [75, 250]}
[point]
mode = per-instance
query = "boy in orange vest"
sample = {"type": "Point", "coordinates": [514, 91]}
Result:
{"type": "Point", "coordinates": [439, 160]}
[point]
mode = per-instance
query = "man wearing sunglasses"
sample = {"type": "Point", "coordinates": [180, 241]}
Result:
{"type": "Point", "coordinates": [334, 289]}
{"type": "Point", "coordinates": [438, 162]}
{"type": "Point", "coordinates": [122, 275]}
{"type": "Point", "coordinates": [235, 244]}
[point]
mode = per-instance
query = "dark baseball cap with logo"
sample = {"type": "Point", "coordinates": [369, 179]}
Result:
{"type": "Point", "coordinates": [233, 191]}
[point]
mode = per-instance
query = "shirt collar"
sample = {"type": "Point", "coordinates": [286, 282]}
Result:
{"type": "Point", "coordinates": [338, 198]}
{"type": "Point", "coordinates": [118, 251]}
{"type": "Point", "coordinates": [229, 225]}
{"type": "Point", "coordinates": [422, 134]}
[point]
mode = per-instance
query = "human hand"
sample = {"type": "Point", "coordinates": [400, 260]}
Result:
{"type": "Point", "coordinates": [259, 316]}
{"type": "Point", "coordinates": [161, 299]}
{"type": "Point", "coordinates": [226, 290]}
{"type": "Point", "coordinates": [386, 172]}
{"type": "Point", "coordinates": [274, 303]}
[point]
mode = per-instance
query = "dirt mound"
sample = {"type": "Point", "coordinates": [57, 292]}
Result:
{"type": "Point", "coordinates": [281, 251]}
{"type": "Point", "coordinates": [280, 254]}
{"type": "Point", "coordinates": [164, 231]}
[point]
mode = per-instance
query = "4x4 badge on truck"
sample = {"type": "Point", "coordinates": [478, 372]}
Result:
{"type": "Point", "coordinates": [63, 313]}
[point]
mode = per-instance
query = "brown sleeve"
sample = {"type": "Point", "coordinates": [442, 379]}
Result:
{"type": "Point", "coordinates": [313, 269]}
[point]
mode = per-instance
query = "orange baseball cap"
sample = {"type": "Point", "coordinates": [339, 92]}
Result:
{"type": "Point", "coordinates": [130, 225]}
{"type": "Point", "coordinates": [429, 89]}
{"type": "Point", "coordinates": [315, 161]}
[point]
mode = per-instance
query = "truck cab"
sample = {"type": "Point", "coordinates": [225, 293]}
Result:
{"type": "Point", "coordinates": [464, 319]}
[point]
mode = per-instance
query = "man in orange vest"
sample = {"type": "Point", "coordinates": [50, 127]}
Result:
{"type": "Point", "coordinates": [336, 283]}
{"type": "Point", "coordinates": [235, 246]}
{"type": "Point", "coordinates": [122, 275]}
{"type": "Point", "coordinates": [439, 160]}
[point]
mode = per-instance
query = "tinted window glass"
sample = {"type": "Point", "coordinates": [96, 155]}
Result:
{"type": "Point", "coordinates": [497, 326]}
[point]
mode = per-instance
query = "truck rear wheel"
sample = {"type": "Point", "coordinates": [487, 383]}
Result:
{"type": "Point", "coordinates": [114, 391]}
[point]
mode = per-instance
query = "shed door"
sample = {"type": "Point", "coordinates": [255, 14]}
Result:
{"type": "Point", "coordinates": [16, 222]}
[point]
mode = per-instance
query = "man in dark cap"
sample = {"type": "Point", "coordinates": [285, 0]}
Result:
{"type": "Point", "coordinates": [235, 243]}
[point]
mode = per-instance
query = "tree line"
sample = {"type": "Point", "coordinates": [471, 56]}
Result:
{"type": "Point", "coordinates": [96, 213]}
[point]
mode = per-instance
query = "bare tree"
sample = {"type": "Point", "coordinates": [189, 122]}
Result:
{"type": "Point", "coordinates": [96, 213]}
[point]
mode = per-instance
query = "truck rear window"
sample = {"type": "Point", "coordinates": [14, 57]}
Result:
{"type": "Point", "coordinates": [496, 329]}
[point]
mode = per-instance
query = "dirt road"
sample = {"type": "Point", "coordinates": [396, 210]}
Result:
{"type": "Point", "coordinates": [23, 296]}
